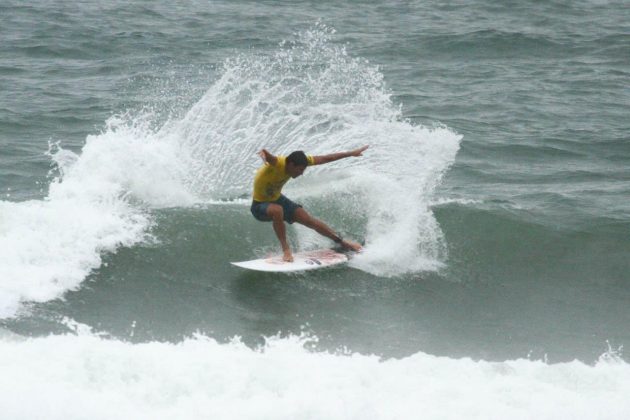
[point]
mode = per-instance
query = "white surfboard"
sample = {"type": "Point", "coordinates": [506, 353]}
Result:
{"type": "Point", "coordinates": [302, 261]}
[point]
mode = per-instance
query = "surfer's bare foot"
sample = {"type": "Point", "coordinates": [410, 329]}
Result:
{"type": "Point", "coordinates": [352, 246]}
{"type": "Point", "coordinates": [288, 257]}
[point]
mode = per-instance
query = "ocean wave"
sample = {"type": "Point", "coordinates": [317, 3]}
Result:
{"type": "Point", "coordinates": [310, 95]}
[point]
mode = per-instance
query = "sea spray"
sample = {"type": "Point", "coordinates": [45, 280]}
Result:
{"type": "Point", "coordinates": [312, 95]}
{"type": "Point", "coordinates": [309, 95]}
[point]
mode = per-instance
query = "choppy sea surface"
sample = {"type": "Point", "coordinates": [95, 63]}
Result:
{"type": "Point", "coordinates": [494, 202]}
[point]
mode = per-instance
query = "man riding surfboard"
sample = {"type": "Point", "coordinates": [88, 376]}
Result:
{"type": "Point", "coordinates": [270, 205]}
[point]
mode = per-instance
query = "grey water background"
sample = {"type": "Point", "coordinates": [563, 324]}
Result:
{"type": "Point", "coordinates": [537, 236]}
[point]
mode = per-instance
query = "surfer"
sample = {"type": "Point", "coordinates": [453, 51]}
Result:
{"type": "Point", "coordinates": [270, 205]}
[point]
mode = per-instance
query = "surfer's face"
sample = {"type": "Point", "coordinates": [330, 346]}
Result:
{"type": "Point", "coordinates": [294, 170]}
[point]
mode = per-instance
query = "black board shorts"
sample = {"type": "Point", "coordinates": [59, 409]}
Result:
{"type": "Point", "coordinates": [259, 209]}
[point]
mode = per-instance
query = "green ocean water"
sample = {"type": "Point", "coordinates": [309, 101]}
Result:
{"type": "Point", "coordinates": [494, 198]}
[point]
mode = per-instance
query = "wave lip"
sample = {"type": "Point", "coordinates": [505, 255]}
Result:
{"type": "Point", "coordinates": [49, 247]}
{"type": "Point", "coordinates": [96, 204]}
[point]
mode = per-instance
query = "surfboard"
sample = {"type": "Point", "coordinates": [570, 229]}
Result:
{"type": "Point", "coordinates": [302, 261]}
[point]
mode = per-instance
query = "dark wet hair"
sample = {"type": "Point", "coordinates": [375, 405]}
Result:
{"type": "Point", "coordinates": [298, 158]}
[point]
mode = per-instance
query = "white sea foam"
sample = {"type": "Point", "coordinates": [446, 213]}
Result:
{"type": "Point", "coordinates": [86, 376]}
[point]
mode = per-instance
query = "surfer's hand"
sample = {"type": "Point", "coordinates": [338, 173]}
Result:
{"type": "Point", "coordinates": [267, 157]}
{"type": "Point", "coordinates": [359, 151]}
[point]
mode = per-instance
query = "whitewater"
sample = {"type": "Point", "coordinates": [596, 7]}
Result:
{"type": "Point", "coordinates": [87, 375]}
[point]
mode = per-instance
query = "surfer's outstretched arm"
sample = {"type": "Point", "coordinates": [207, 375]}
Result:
{"type": "Point", "coordinates": [320, 160]}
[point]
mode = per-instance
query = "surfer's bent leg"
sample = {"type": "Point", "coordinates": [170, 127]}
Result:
{"type": "Point", "coordinates": [276, 213]}
{"type": "Point", "coordinates": [301, 216]}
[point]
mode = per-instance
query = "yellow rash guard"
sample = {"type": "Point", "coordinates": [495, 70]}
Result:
{"type": "Point", "coordinates": [270, 179]}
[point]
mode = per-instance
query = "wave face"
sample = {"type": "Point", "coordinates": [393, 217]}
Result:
{"type": "Point", "coordinates": [87, 376]}
{"type": "Point", "coordinates": [309, 94]}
